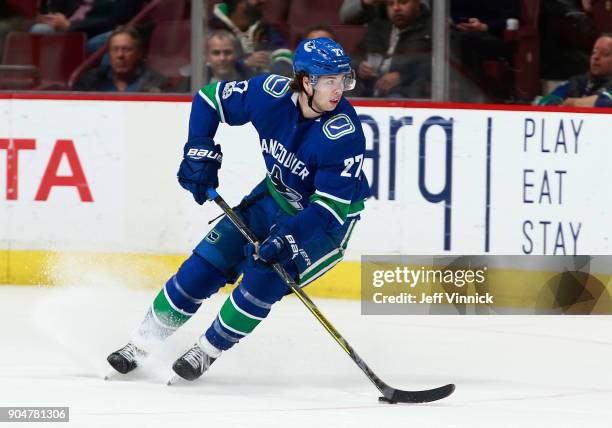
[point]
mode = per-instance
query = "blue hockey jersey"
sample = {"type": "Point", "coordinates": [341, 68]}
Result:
{"type": "Point", "coordinates": [313, 165]}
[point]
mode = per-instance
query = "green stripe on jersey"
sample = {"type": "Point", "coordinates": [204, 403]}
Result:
{"type": "Point", "coordinates": [340, 208]}
{"type": "Point", "coordinates": [356, 207]}
{"type": "Point", "coordinates": [166, 313]}
{"type": "Point", "coordinates": [320, 265]}
{"type": "Point", "coordinates": [210, 93]}
{"type": "Point", "coordinates": [236, 320]}
{"type": "Point", "coordinates": [326, 262]}
{"type": "Point", "coordinates": [348, 234]}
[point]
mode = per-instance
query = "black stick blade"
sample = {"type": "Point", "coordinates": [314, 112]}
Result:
{"type": "Point", "coordinates": [398, 396]}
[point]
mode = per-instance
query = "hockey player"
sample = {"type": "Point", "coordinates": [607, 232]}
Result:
{"type": "Point", "coordinates": [303, 211]}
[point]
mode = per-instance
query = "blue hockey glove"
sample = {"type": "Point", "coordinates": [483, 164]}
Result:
{"type": "Point", "coordinates": [252, 258]}
{"type": "Point", "coordinates": [279, 246]}
{"type": "Point", "coordinates": [200, 166]}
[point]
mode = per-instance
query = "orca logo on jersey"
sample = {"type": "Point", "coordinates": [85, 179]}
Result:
{"type": "Point", "coordinates": [290, 195]}
{"type": "Point", "coordinates": [338, 126]}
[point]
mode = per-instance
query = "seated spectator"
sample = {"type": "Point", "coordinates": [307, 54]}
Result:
{"type": "Point", "coordinates": [592, 89]}
{"type": "Point", "coordinates": [262, 48]}
{"type": "Point", "coordinates": [357, 12]}
{"type": "Point", "coordinates": [96, 18]}
{"type": "Point", "coordinates": [477, 35]}
{"type": "Point", "coordinates": [221, 61]}
{"type": "Point", "coordinates": [394, 57]}
{"type": "Point", "coordinates": [319, 30]}
{"type": "Point", "coordinates": [127, 71]}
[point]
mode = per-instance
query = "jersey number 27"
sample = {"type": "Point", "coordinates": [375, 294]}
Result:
{"type": "Point", "coordinates": [348, 165]}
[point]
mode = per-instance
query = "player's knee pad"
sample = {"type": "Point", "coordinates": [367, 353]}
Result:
{"type": "Point", "coordinates": [195, 280]}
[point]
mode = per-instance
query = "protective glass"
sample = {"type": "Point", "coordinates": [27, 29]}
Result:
{"type": "Point", "coordinates": [328, 83]}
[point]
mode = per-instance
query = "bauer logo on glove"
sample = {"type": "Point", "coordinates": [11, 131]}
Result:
{"type": "Point", "coordinates": [199, 154]}
{"type": "Point", "coordinates": [199, 168]}
{"type": "Point", "coordinates": [278, 247]}
{"type": "Point", "coordinates": [293, 245]}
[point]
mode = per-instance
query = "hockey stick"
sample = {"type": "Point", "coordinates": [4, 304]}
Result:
{"type": "Point", "coordinates": [390, 395]}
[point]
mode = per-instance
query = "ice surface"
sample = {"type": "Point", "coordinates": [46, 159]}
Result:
{"type": "Point", "coordinates": [510, 371]}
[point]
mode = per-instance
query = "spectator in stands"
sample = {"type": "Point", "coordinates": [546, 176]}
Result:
{"type": "Point", "coordinates": [96, 18]}
{"type": "Point", "coordinates": [319, 30]}
{"type": "Point", "coordinates": [477, 35]}
{"type": "Point", "coordinates": [394, 57]}
{"type": "Point", "coordinates": [221, 61]}
{"type": "Point", "coordinates": [567, 33]}
{"type": "Point", "coordinates": [357, 12]}
{"type": "Point", "coordinates": [587, 5]}
{"type": "Point", "coordinates": [592, 89]}
{"type": "Point", "coordinates": [261, 47]}
{"type": "Point", "coordinates": [127, 71]}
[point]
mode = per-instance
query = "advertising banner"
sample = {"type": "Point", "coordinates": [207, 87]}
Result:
{"type": "Point", "coordinates": [98, 176]}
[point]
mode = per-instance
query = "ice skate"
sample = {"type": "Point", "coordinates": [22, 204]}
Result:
{"type": "Point", "coordinates": [126, 359]}
{"type": "Point", "coordinates": [192, 364]}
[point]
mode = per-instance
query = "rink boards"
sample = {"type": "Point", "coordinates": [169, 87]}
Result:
{"type": "Point", "coordinates": [89, 184]}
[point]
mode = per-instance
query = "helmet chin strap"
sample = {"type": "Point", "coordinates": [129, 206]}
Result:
{"type": "Point", "coordinates": [310, 98]}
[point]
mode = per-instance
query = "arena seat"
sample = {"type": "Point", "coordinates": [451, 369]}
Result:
{"type": "Point", "coordinates": [26, 8]}
{"type": "Point", "coordinates": [54, 56]}
{"type": "Point", "coordinates": [170, 47]}
{"type": "Point", "coordinates": [163, 10]}
{"type": "Point", "coordinates": [276, 11]}
{"type": "Point", "coordinates": [527, 53]}
{"type": "Point", "coordinates": [348, 36]}
{"type": "Point", "coordinates": [602, 12]}
{"type": "Point", "coordinates": [525, 70]}
{"type": "Point", "coordinates": [155, 10]}
{"type": "Point", "coordinates": [303, 13]}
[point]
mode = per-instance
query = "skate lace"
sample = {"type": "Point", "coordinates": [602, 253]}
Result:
{"type": "Point", "coordinates": [129, 352]}
{"type": "Point", "coordinates": [195, 357]}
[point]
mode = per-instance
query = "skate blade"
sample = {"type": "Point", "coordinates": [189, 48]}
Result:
{"type": "Point", "coordinates": [173, 380]}
{"type": "Point", "coordinates": [110, 374]}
